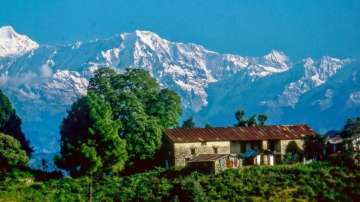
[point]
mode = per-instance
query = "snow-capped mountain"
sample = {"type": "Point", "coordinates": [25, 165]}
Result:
{"type": "Point", "coordinates": [14, 44]}
{"type": "Point", "coordinates": [315, 75]}
{"type": "Point", "coordinates": [44, 80]}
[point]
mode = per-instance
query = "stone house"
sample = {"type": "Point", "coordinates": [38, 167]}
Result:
{"type": "Point", "coordinates": [252, 145]}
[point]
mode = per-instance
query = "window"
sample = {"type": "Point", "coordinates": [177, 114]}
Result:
{"type": "Point", "coordinates": [243, 147]}
{"type": "Point", "coordinates": [215, 150]}
{"type": "Point", "coordinates": [192, 151]}
{"type": "Point", "coordinates": [253, 145]}
{"type": "Point", "coordinates": [271, 144]}
{"type": "Point", "coordinates": [274, 145]}
{"type": "Point", "coordinates": [203, 143]}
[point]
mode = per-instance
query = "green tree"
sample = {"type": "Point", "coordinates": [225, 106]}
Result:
{"type": "Point", "coordinates": [352, 127]}
{"type": "Point", "coordinates": [240, 117]}
{"type": "Point", "coordinates": [188, 123]}
{"type": "Point", "coordinates": [254, 120]}
{"type": "Point", "coordinates": [10, 123]}
{"type": "Point", "coordinates": [90, 143]}
{"type": "Point", "coordinates": [293, 152]}
{"type": "Point", "coordinates": [11, 152]}
{"type": "Point", "coordinates": [262, 118]}
{"type": "Point", "coordinates": [141, 105]}
{"type": "Point", "coordinates": [208, 125]}
{"type": "Point", "coordinates": [251, 122]}
{"type": "Point", "coordinates": [314, 147]}
{"type": "Point", "coordinates": [351, 130]}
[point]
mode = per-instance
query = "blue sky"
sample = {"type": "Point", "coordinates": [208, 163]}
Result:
{"type": "Point", "coordinates": [298, 27]}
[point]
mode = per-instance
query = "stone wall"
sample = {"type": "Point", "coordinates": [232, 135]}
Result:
{"type": "Point", "coordinates": [182, 151]}
{"type": "Point", "coordinates": [264, 144]}
{"type": "Point", "coordinates": [235, 147]}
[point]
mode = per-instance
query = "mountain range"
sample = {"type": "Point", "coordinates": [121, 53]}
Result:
{"type": "Point", "coordinates": [43, 80]}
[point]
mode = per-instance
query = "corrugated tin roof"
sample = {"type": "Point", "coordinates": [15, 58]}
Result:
{"type": "Point", "coordinates": [275, 132]}
{"type": "Point", "coordinates": [207, 157]}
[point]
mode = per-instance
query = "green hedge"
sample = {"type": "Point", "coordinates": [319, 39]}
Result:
{"type": "Point", "coordinates": [313, 182]}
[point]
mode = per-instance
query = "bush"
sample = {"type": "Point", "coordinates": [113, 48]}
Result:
{"type": "Point", "coordinates": [296, 182]}
{"type": "Point", "coordinates": [11, 153]}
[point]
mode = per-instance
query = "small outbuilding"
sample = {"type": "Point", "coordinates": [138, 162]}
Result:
{"type": "Point", "coordinates": [213, 163]}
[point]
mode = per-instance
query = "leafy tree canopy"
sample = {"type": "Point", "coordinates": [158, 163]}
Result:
{"type": "Point", "coordinates": [189, 123]}
{"type": "Point", "coordinates": [141, 105]}
{"type": "Point", "coordinates": [262, 118]}
{"type": "Point", "coordinates": [293, 153]}
{"type": "Point", "coordinates": [352, 127]}
{"type": "Point", "coordinates": [254, 120]}
{"type": "Point", "coordinates": [314, 146]}
{"type": "Point", "coordinates": [11, 152]}
{"type": "Point", "coordinates": [208, 125]}
{"type": "Point", "coordinates": [90, 143]}
{"type": "Point", "coordinates": [293, 148]}
{"type": "Point", "coordinates": [10, 123]}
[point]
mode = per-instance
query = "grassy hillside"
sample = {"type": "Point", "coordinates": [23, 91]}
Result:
{"type": "Point", "coordinates": [313, 182]}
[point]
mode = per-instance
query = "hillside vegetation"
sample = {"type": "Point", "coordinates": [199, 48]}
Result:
{"type": "Point", "coordinates": [312, 182]}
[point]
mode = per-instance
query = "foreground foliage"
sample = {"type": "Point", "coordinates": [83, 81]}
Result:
{"type": "Point", "coordinates": [11, 153]}
{"type": "Point", "coordinates": [313, 182]}
{"type": "Point", "coordinates": [90, 143]}
{"type": "Point", "coordinates": [10, 123]}
{"type": "Point", "coordinates": [141, 105]}
{"type": "Point", "coordinates": [351, 128]}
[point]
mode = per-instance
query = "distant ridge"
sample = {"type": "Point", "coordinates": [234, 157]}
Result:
{"type": "Point", "coordinates": [44, 80]}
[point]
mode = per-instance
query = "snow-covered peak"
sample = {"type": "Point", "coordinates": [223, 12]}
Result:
{"type": "Point", "coordinates": [331, 65]}
{"type": "Point", "coordinates": [147, 35]}
{"type": "Point", "coordinates": [6, 32]}
{"type": "Point", "coordinates": [272, 63]}
{"type": "Point", "coordinates": [277, 58]}
{"type": "Point", "coordinates": [325, 68]}
{"type": "Point", "coordinates": [14, 44]}
{"type": "Point", "coordinates": [316, 74]}
{"type": "Point", "coordinates": [153, 42]}
{"type": "Point", "coordinates": [308, 62]}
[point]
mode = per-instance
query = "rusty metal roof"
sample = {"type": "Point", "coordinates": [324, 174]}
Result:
{"type": "Point", "coordinates": [207, 157]}
{"type": "Point", "coordinates": [274, 132]}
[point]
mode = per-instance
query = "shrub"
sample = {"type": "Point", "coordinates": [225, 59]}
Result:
{"type": "Point", "coordinates": [296, 182]}
{"type": "Point", "coordinates": [11, 153]}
